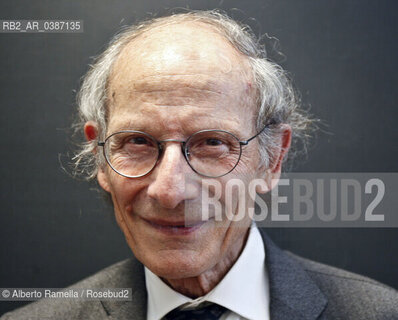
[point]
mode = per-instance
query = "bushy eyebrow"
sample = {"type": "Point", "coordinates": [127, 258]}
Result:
{"type": "Point", "coordinates": [191, 127]}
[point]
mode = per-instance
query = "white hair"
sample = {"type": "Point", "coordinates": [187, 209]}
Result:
{"type": "Point", "coordinates": [276, 99]}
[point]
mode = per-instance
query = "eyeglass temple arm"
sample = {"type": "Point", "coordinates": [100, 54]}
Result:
{"type": "Point", "coordinates": [245, 142]}
{"type": "Point", "coordinates": [101, 143]}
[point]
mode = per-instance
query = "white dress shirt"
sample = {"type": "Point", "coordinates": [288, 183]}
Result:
{"type": "Point", "coordinates": [244, 290]}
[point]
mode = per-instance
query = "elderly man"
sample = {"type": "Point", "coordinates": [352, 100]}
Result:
{"type": "Point", "coordinates": [171, 102]}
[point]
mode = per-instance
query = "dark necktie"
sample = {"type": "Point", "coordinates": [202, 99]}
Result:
{"type": "Point", "coordinates": [211, 312]}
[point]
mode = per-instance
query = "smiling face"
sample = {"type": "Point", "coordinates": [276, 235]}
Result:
{"type": "Point", "coordinates": [170, 83]}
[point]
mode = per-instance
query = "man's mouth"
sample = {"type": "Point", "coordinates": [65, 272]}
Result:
{"type": "Point", "coordinates": [180, 227]}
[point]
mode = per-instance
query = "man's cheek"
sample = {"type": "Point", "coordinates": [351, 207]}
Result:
{"type": "Point", "coordinates": [247, 162]}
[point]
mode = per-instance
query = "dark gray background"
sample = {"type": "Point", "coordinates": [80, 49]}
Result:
{"type": "Point", "coordinates": [55, 231]}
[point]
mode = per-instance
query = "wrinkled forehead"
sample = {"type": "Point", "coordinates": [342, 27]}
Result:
{"type": "Point", "coordinates": [189, 54]}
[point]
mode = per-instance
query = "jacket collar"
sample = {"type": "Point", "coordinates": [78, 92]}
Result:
{"type": "Point", "coordinates": [293, 294]}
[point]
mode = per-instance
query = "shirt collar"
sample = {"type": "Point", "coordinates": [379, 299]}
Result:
{"type": "Point", "coordinates": [244, 289]}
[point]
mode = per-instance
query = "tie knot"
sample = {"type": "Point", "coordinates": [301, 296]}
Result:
{"type": "Point", "coordinates": [209, 312]}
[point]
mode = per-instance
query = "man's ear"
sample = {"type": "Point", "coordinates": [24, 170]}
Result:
{"type": "Point", "coordinates": [273, 173]}
{"type": "Point", "coordinates": [91, 133]}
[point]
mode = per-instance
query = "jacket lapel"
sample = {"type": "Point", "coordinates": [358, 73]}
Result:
{"type": "Point", "coordinates": [131, 276]}
{"type": "Point", "coordinates": [293, 294]}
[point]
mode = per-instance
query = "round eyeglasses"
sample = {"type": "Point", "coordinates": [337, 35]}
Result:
{"type": "Point", "coordinates": [210, 153]}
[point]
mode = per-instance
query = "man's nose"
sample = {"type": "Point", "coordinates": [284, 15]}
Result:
{"type": "Point", "coordinates": [169, 178]}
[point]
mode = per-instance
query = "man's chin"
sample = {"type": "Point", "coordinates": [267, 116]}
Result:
{"type": "Point", "coordinates": [177, 265]}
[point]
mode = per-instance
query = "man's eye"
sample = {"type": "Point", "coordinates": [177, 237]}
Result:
{"type": "Point", "coordinates": [213, 142]}
{"type": "Point", "coordinates": [139, 140]}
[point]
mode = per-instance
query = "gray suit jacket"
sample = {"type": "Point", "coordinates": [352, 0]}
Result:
{"type": "Point", "coordinates": [299, 289]}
